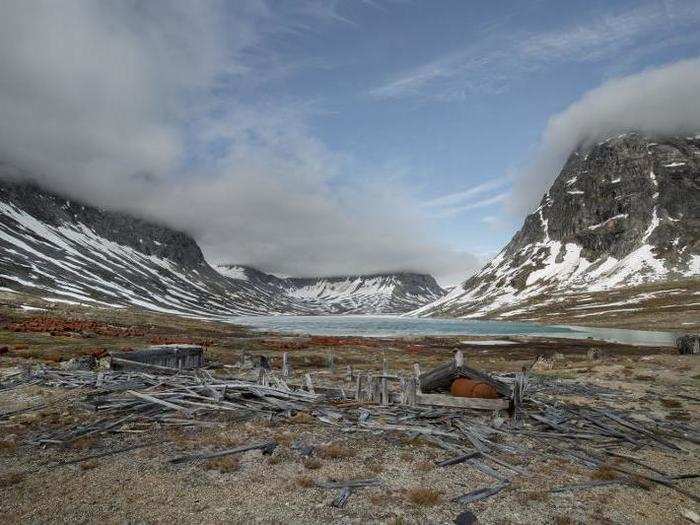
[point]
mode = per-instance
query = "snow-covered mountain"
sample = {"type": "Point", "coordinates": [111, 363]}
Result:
{"type": "Point", "coordinates": [398, 292]}
{"type": "Point", "coordinates": [622, 213]}
{"type": "Point", "coordinates": [355, 294]}
{"type": "Point", "coordinates": [65, 251]}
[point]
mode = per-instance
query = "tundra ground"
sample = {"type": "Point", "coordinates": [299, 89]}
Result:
{"type": "Point", "coordinates": [142, 486]}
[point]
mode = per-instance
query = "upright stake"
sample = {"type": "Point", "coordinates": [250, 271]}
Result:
{"type": "Point", "coordinates": [286, 366]}
{"type": "Point", "coordinates": [309, 384]}
{"type": "Point", "coordinates": [385, 384]}
{"type": "Point", "coordinates": [358, 388]}
{"type": "Point", "coordinates": [416, 372]}
{"type": "Point", "coordinates": [459, 359]}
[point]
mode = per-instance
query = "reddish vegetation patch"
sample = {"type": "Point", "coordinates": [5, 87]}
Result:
{"type": "Point", "coordinates": [69, 327]}
{"type": "Point", "coordinates": [286, 344]}
{"type": "Point", "coordinates": [164, 340]}
{"type": "Point", "coordinates": [342, 341]}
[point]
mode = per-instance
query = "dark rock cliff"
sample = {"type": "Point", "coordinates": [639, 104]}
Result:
{"type": "Point", "coordinates": [625, 211]}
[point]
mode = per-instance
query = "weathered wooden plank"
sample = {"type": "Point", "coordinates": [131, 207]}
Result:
{"type": "Point", "coordinates": [462, 402]}
{"type": "Point", "coordinates": [480, 494]}
{"type": "Point", "coordinates": [266, 447]}
{"type": "Point", "coordinates": [157, 401]}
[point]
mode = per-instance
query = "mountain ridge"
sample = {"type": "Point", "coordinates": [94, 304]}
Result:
{"type": "Point", "coordinates": [69, 251]}
{"type": "Point", "coordinates": [623, 212]}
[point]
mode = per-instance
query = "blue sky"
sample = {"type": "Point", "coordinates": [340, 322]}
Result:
{"type": "Point", "coordinates": [319, 137]}
{"type": "Point", "coordinates": [485, 98]}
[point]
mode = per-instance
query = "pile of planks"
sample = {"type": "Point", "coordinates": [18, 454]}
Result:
{"type": "Point", "coordinates": [534, 418]}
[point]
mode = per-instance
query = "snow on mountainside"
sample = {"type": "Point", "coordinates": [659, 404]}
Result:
{"type": "Point", "coordinates": [358, 294]}
{"type": "Point", "coordinates": [64, 251]}
{"type": "Point", "coordinates": [380, 293]}
{"type": "Point", "coordinates": [622, 213]}
{"type": "Point", "coordinates": [68, 252]}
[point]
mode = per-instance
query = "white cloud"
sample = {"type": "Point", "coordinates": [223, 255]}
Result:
{"type": "Point", "coordinates": [473, 198]}
{"type": "Point", "coordinates": [121, 104]}
{"type": "Point", "coordinates": [497, 57]}
{"type": "Point", "coordinates": [456, 198]}
{"type": "Point", "coordinates": [661, 100]}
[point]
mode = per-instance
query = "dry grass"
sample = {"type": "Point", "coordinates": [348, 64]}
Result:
{"type": "Point", "coordinates": [336, 451]}
{"type": "Point", "coordinates": [671, 403]}
{"type": "Point", "coordinates": [224, 464]}
{"type": "Point", "coordinates": [89, 465]}
{"type": "Point", "coordinates": [10, 478]}
{"type": "Point", "coordinates": [7, 445]}
{"type": "Point", "coordinates": [283, 438]}
{"type": "Point", "coordinates": [679, 415]}
{"type": "Point", "coordinates": [302, 418]}
{"type": "Point", "coordinates": [644, 377]}
{"type": "Point", "coordinates": [424, 497]}
{"type": "Point", "coordinates": [564, 520]}
{"type": "Point", "coordinates": [424, 466]}
{"type": "Point", "coordinates": [312, 463]}
{"type": "Point", "coordinates": [528, 496]}
{"type": "Point", "coordinates": [305, 482]}
{"type": "Point", "coordinates": [83, 443]}
{"type": "Point", "coordinates": [605, 473]}
{"type": "Point", "coordinates": [375, 467]}
{"type": "Point", "coordinates": [279, 456]}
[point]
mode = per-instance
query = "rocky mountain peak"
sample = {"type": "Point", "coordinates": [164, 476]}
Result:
{"type": "Point", "coordinates": [624, 211]}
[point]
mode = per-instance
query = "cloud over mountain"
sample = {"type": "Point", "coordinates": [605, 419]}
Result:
{"type": "Point", "coordinates": [146, 107]}
{"type": "Point", "coordinates": [662, 100]}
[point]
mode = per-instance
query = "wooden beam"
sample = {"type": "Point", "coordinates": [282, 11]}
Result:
{"type": "Point", "coordinates": [462, 402]}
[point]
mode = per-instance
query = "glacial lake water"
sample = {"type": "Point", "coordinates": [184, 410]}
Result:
{"type": "Point", "coordinates": [396, 326]}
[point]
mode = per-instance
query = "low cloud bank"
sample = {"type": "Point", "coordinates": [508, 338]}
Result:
{"type": "Point", "coordinates": [152, 108]}
{"type": "Point", "coordinates": [662, 100]}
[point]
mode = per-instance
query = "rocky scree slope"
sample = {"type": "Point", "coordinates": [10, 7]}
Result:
{"type": "Point", "coordinates": [622, 213]}
{"type": "Point", "coordinates": [66, 251]}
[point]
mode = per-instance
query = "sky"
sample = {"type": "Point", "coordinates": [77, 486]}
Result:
{"type": "Point", "coordinates": [333, 137]}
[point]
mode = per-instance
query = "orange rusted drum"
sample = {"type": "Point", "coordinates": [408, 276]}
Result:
{"type": "Point", "coordinates": [462, 387]}
{"type": "Point", "coordinates": [484, 391]}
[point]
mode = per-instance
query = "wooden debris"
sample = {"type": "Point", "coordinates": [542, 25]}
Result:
{"type": "Point", "coordinates": [267, 448]}
{"type": "Point", "coordinates": [480, 494]}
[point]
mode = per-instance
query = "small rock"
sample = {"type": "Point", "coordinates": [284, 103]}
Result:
{"type": "Point", "coordinates": [466, 518]}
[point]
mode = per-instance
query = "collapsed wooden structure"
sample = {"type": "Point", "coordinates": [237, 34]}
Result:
{"type": "Point", "coordinates": [474, 432]}
{"type": "Point", "coordinates": [688, 344]}
{"type": "Point", "coordinates": [177, 356]}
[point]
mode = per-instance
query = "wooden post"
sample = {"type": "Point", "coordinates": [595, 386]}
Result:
{"type": "Point", "coordinates": [410, 392]}
{"type": "Point", "coordinates": [348, 374]}
{"type": "Point", "coordinates": [368, 387]}
{"type": "Point", "coordinates": [385, 384]}
{"type": "Point", "coordinates": [519, 388]}
{"type": "Point", "coordinates": [358, 388]}
{"type": "Point", "coordinates": [416, 371]}
{"type": "Point", "coordinates": [330, 360]}
{"type": "Point", "coordinates": [309, 384]}
{"type": "Point", "coordinates": [286, 366]}
{"type": "Point", "coordinates": [459, 359]}
{"type": "Point", "coordinates": [376, 391]}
